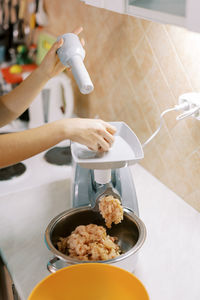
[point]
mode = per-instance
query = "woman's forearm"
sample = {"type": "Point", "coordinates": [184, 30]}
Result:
{"type": "Point", "coordinates": [95, 134]}
{"type": "Point", "coordinates": [18, 100]}
{"type": "Point", "coordinates": [16, 147]}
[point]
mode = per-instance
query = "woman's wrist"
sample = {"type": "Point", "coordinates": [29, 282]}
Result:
{"type": "Point", "coordinates": [41, 75]}
{"type": "Point", "coordinates": [65, 129]}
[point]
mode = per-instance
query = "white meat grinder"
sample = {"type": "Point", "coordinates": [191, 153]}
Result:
{"type": "Point", "coordinates": [98, 174]}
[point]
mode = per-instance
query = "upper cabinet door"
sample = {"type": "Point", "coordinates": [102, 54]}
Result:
{"type": "Point", "coordinates": [114, 5]}
{"type": "Point", "coordinates": [193, 15]}
{"type": "Point", "coordinates": [97, 3]}
{"type": "Point", "coordinates": [183, 13]}
{"type": "Point", "coordinates": [162, 11]}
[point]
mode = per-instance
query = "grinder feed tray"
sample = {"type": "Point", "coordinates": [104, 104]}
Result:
{"type": "Point", "coordinates": [126, 150]}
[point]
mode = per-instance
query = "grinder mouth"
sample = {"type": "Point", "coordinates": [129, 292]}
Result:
{"type": "Point", "coordinates": [131, 232]}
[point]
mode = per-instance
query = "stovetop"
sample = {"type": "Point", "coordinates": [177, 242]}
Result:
{"type": "Point", "coordinates": [38, 172]}
{"type": "Point", "coordinates": [10, 172]}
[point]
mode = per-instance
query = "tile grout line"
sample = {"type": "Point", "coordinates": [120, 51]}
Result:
{"type": "Point", "coordinates": [188, 195]}
{"type": "Point", "coordinates": [165, 79]}
{"type": "Point", "coordinates": [135, 94]}
{"type": "Point", "coordinates": [153, 98]}
{"type": "Point", "coordinates": [160, 68]}
{"type": "Point", "coordinates": [168, 132]}
{"type": "Point", "coordinates": [176, 53]}
{"type": "Point", "coordinates": [141, 38]}
{"type": "Point", "coordinates": [183, 68]}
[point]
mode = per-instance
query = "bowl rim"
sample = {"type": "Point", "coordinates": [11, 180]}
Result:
{"type": "Point", "coordinates": [138, 222]}
{"type": "Point", "coordinates": [94, 264]}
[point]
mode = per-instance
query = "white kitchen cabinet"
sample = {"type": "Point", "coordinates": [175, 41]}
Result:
{"type": "Point", "coordinates": [183, 13]}
{"type": "Point", "coordinates": [114, 5]}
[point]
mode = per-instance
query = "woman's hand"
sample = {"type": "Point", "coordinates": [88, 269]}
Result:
{"type": "Point", "coordinates": [51, 64]}
{"type": "Point", "coordinates": [96, 134]}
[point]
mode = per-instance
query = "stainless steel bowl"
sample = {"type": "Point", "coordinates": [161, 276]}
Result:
{"type": "Point", "coordinates": [131, 234]}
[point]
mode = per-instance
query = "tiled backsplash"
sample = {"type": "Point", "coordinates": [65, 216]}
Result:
{"type": "Point", "coordinates": [139, 68]}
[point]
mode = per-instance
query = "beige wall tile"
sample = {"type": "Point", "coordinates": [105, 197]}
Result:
{"type": "Point", "coordinates": [159, 88]}
{"type": "Point", "coordinates": [147, 105]}
{"type": "Point", "coordinates": [162, 94]}
{"type": "Point", "coordinates": [134, 117]}
{"type": "Point", "coordinates": [134, 32]}
{"type": "Point", "coordinates": [194, 130]}
{"type": "Point", "coordinates": [179, 182]}
{"type": "Point", "coordinates": [187, 45]}
{"type": "Point", "coordinates": [133, 72]}
{"type": "Point", "coordinates": [144, 57]}
{"type": "Point", "coordinates": [182, 139]}
{"type": "Point", "coordinates": [194, 199]}
{"type": "Point", "coordinates": [168, 60]}
{"type": "Point", "coordinates": [165, 144]}
{"type": "Point", "coordinates": [153, 162]}
{"type": "Point", "coordinates": [192, 167]}
{"type": "Point", "coordinates": [122, 96]}
{"type": "Point", "coordinates": [146, 24]}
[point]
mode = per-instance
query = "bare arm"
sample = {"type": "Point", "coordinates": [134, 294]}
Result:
{"type": "Point", "coordinates": [15, 147]}
{"type": "Point", "coordinates": [17, 101]}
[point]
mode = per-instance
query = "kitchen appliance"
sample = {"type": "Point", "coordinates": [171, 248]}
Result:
{"type": "Point", "coordinates": [72, 54]}
{"type": "Point", "coordinates": [54, 102]}
{"type": "Point", "coordinates": [95, 175]}
{"type": "Point", "coordinates": [89, 282]}
{"type": "Point", "coordinates": [96, 172]}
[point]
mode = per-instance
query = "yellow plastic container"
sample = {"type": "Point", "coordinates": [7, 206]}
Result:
{"type": "Point", "coordinates": [15, 69]}
{"type": "Point", "coordinates": [90, 281]}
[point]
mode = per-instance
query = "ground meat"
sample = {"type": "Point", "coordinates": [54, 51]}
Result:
{"type": "Point", "coordinates": [89, 242]}
{"type": "Point", "coordinates": [111, 210]}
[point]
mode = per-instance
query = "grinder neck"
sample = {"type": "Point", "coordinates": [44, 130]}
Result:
{"type": "Point", "coordinates": [102, 176]}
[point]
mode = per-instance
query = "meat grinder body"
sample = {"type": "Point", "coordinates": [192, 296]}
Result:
{"type": "Point", "coordinates": [85, 190]}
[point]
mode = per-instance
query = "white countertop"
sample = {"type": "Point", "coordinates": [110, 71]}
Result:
{"type": "Point", "coordinates": [169, 261]}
